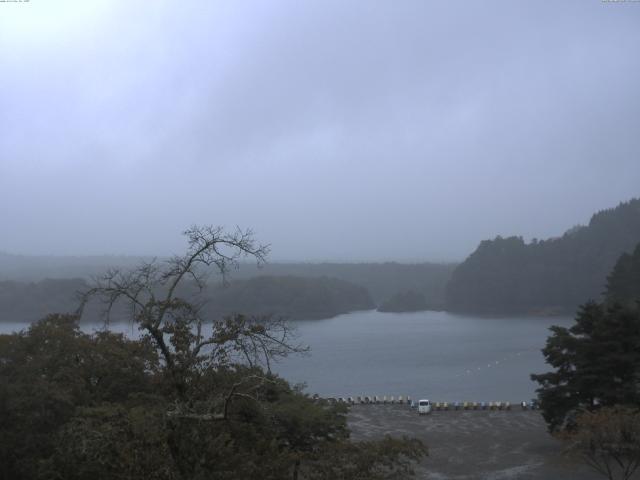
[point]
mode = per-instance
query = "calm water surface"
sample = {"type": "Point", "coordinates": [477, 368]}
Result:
{"type": "Point", "coordinates": [434, 355]}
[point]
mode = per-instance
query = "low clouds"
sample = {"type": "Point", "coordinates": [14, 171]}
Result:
{"type": "Point", "coordinates": [358, 131]}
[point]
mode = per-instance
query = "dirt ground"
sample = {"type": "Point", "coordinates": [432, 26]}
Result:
{"type": "Point", "coordinates": [466, 445]}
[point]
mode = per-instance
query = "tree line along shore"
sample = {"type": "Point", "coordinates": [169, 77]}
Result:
{"type": "Point", "coordinates": [505, 275]}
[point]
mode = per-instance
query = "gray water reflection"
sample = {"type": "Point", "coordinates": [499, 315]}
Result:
{"type": "Point", "coordinates": [436, 355]}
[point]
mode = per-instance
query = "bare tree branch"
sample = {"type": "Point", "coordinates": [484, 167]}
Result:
{"type": "Point", "coordinates": [152, 293]}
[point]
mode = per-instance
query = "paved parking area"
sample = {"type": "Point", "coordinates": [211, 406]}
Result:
{"type": "Point", "coordinates": [466, 445]}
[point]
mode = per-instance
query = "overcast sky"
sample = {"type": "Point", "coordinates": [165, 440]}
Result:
{"type": "Point", "coordinates": [360, 130]}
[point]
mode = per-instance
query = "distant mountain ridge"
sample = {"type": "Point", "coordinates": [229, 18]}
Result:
{"type": "Point", "coordinates": [31, 301]}
{"type": "Point", "coordinates": [507, 275]}
{"type": "Point", "coordinates": [383, 280]}
{"type": "Point", "coordinates": [35, 268]}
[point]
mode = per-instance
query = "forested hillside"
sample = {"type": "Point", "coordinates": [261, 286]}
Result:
{"type": "Point", "coordinates": [31, 301]}
{"type": "Point", "coordinates": [554, 275]}
{"type": "Point", "coordinates": [623, 284]}
{"type": "Point", "coordinates": [35, 268]}
{"type": "Point", "coordinates": [598, 357]}
{"type": "Point", "coordinates": [408, 301]}
{"type": "Point", "coordinates": [382, 280]}
{"type": "Point", "coordinates": [294, 297]}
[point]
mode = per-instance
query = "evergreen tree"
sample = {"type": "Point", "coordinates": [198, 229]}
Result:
{"type": "Point", "coordinates": [408, 301]}
{"type": "Point", "coordinates": [596, 362]}
{"type": "Point", "coordinates": [623, 284]}
{"type": "Point", "coordinates": [554, 275]}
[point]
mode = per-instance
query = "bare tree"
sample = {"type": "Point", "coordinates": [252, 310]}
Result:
{"type": "Point", "coordinates": [608, 440]}
{"type": "Point", "coordinates": [175, 325]}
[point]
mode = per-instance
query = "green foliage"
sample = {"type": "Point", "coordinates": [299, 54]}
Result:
{"type": "Point", "coordinates": [51, 370]}
{"type": "Point", "coordinates": [111, 441]}
{"type": "Point", "coordinates": [555, 275]}
{"type": "Point", "coordinates": [623, 284]}
{"type": "Point", "coordinates": [382, 280]}
{"type": "Point", "coordinates": [608, 440]}
{"type": "Point", "coordinates": [408, 301]}
{"type": "Point", "coordinates": [596, 362]}
{"type": "Point", "coordinates": [387, 459]}
{"type": "Point", "coordinates": [296, 290]}
{"type": "Point", "coordinates": [28, 302]}
{"type": "Point", "coordinates": [294, 297]}
{"type": "Point", "coordinates": [79, 407]}
{"type": "Point", "coordinates": [177, 404]}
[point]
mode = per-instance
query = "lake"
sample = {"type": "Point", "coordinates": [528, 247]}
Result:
{"type": "Point", "coordinates": [436, 355]}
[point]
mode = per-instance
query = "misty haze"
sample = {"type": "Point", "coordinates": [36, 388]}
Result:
{"type": "Point", "coordinates": [319, 240]}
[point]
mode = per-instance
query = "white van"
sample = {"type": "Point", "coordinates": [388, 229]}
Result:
{"type": "Point", "coordinates": [424, 407]}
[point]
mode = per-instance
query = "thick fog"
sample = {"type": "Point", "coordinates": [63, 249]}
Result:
{"type": "Point", "coordinates": [370, 130]}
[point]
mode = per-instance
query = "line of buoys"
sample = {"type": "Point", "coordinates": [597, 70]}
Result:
{"type": "Point", "coordinates": [368, 399]}
{"type": "Point", "coordinates": [472, 406]}
{"type": "Point", "coordinates": [437, 406]}
{"type": "Point", "coordinates": [492, 363]}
